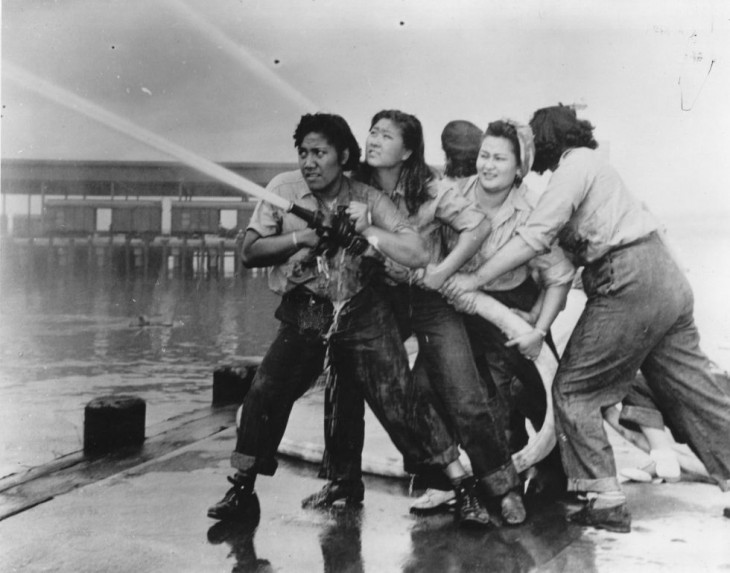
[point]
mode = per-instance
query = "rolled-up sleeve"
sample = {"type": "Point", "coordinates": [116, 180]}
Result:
{"type": "Point", "coordinates": [560, 200]}
{"type": "Point", "coordinates": [266, 219]}
{"type": "Point", "coordinates": [456, 210]}
{"type": "Point", "coordinates": [553, 267]}
{"type": "Point", "coordinates": [385, 214]}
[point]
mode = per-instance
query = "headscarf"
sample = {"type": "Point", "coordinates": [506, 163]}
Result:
{"type": "Point", "coordinates": [461, 140]}
{"type": "Point", "coordinates": [527, 145]}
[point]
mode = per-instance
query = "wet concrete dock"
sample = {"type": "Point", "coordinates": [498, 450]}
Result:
{"type": "Point", "coordinates": [146, 511]}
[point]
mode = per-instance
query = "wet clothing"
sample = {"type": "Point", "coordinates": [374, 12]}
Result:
{"type": "Point", "coordinates": [444, 371]}
{"type": "Point", "coordinates": [638, 316]}
{"type": "Point", "coordinates": [359, 341]}
{"type": "Point", "coordinates": [366, 354]}
{"type": "Point", "coordinates": [336, 280]}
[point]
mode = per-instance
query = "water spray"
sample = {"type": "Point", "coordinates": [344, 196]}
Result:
{"type": "Point", "coordinates": [337, 230]}
{"type": "Point", "coordinates": [238, 52]}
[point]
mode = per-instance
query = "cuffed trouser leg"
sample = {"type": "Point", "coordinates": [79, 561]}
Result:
{"type": "Point", "coordinates": [289, 368]}
{"type": "Point", "coordinates": [460, 394]}
{"type": "Point", "coordinates": [602, 355]}
{"type": "Point", "coordinates": [638, 314]}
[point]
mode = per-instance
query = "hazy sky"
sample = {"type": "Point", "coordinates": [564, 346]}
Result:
{"type": "Point", "coordinates": [229, 79]}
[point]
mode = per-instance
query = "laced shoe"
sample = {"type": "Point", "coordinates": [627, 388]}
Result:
{"type": "Point", "coordinates": [238, 502]}
{"type": "Point", "coordinates": [434, 501]}
{"type": "Point", "coordinates": [513, 510]}
{"type": "Point", "coordinates": [470, 511]}
{"type": "Point", "coordinates": [617, 518]}
{"type": "Point", "coordinates": [350, 492]}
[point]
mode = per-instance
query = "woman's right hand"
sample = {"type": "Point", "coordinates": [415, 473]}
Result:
{"type": "Point", "coordinates": [307, 238]}
{"type": "Point", "coordinates": [359, 214]}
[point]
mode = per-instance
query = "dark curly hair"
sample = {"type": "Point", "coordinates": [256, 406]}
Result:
{"type": "Point", "coordinates": [335, 129]}
{"type": "Point", "coordinates": [556, 129]}
{"type": "Point", "coordinates": [415, 174]}
{"type": "Point", "coordinates": [506, 131]}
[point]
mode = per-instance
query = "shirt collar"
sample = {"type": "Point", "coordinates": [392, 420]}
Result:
{"type": "Point", "coordinates": [345, 192]}
{"type": "Point", "coordinates": [515, 201]}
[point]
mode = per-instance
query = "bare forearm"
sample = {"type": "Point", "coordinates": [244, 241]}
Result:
{"type": "Point", "coordinates": [260, 251]}
{"type": "Point", "coordinates": [552, 305]}
{"type": "Point", "coordinates": [466, 247]}
{"type": "Point", "coordinates": [513, 254]}
{"type": "Point", "coordinates": [406, 248]}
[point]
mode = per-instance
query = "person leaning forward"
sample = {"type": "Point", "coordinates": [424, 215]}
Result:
{"type": "Point", "coordinates": [328, 309]}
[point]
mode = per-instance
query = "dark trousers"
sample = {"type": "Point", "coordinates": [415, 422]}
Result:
{"type": "Point", "coordinates": [638, 316]}
{"type": "Point", "coordinates": [446, 376]}
{"type": "Point", "coordinates": [514, 384]}
{"type": "Point", "coordinates": [366, 353]}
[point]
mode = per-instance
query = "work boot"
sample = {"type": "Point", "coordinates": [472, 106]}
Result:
{"type": "Point", "coordinates": [617, 518]}
{"type": "Point", "coordinates": [351, 492]}
{"type": "Point", "coordinates": [239, 501]}
{"type": "Point", "coordinates": [470, 511]}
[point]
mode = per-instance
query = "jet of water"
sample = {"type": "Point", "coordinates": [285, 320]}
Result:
{"type": "Point", "coordinates": [243, 56]}
{"type": "Point", "coordinates": [83, 106]}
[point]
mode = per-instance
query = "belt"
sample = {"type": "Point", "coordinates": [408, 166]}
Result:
{"type": "Point", "coordinates": [305, 296]}
{"type": "Point", "coordinates": [644, 239]}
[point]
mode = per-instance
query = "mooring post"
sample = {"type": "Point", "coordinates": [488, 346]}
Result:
{"type": "Point", "coordinates": [112, 422]}
{"type": "Point", "coordinates": [232, 382]}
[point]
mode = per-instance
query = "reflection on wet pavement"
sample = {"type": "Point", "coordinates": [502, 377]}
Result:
{"type": "Point", "coordinates": [341, 541]}
{"type": "Point", "coordinates": [239, 536]}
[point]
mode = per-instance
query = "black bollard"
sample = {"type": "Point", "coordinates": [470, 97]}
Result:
{"type": "Point", "coordinates": [231, 383]}
{"type": "Point", "coordinates": [112, 422]}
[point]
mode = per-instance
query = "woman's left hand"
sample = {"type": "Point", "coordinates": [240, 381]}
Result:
{"type": "Point", "coordinates": [529, 344]}
{"type": "Point", "coordinates": [459, 285]}
{"type": "Point", "coordinates": [359, 215]}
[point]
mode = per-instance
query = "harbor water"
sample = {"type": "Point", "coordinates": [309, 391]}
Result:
{"type": "Point", "coordinates": [71, 334]}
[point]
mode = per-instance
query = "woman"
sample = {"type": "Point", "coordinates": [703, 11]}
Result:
{"type": "Point", "coordinates": [359, 341]}
{"type": "Point", "coordinates": [444, 366]}
{"type": "Point", "coordinates": [504, 159]}
{"type": "Point", "coordinates": [638, 315]}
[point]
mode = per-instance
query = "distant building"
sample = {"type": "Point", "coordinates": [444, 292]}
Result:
{"type": "Point", "coordinates": [84, 197]}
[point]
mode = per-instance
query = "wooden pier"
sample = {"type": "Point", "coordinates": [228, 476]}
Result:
{"type": "Point", "coordinates": [159, 256]}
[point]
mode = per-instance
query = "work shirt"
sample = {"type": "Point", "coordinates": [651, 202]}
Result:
{"type": "Point", "coordinates": [587, 208]}
{"type": "Point", "coordinates": [552, 266]}
{"type": "Point", "coordinates": [446, 206]}
{"type": "Point", "coordinates": [337, 277]}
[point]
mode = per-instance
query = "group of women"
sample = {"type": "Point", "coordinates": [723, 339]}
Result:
{"type": "Point", "coordinates": [487, 231]}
